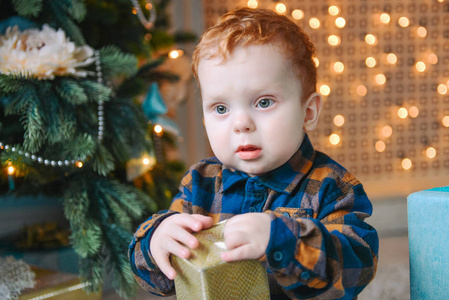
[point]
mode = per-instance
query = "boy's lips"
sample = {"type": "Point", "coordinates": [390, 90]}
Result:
{"type": "Point", "coordinates": [248, 152]}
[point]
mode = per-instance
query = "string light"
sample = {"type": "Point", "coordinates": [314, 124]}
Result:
{"type": "Point", "coordinates": [421, 32]}
{"type": "Point", "coordinates": [297, 14]}
{"type": "Point", "coordinates": [370, 62]}
{"type": "Point", "coordinates": [281, 8]}
{"type": "Point", "coordinates": [380, 79]}
{"type": "Point", "coordinates": [252, 4]}
{"type": "Point", "coordinates": [387, 131]}
{"type": "Point", "coordinates": [420, 66]}
{"type": "Point", "coordinates": [174, 54]}
{"type": "Point", "coordinates": [334, 40]}
{"type": "Point", "coordinates": [158, 129]}
{"type": "Point", "coordinates": [392, 58]}
{"type": "Point", "coordinates": [431, 152]}
{"type": "Point", "coordinates": [340, 22]}
{"type": "Point", "coordinates": [339, 67]}
{"type": "Point", "coordinates": [79, 164]}
{"type": "Point", "coordinates": [413, 112]}
{"type": "Point", "coordinates": [333, 10]}
{"type": "Point", "coordinates": [406, 164]}
{"type": "Point", "coordinates": [385, 18]}
{"type": "Point", "coordinates": [404, 22]}
{"type": "Point", "coordinates": [361, 90]}
{"type": "Point", "coordinates": [445, 121]}
{"type": "Point", "coordinates": [432, 58]}
{"type": "Point", "coordinates": [334, 139]}
{"type": "Point", "coordinates": [11, 170]}
{"type": "Point", "coordinates": [380, 146]}
{"type": "Point", "coordinates": [370, 39]}
{"type": "Point", "coordinates": [325, 90]}
{"type": "Point", "coordinates": [314, 23]}
{"type": "Point", "coordinates": [339, 120]}
{"type": "Point", "coordinates": [402, 113]}
{"type": "Point", "coordinates": [148, 6]}
{"type": "Point", "coordinates": [442, 89]}
{"type": "Point", "coordinates": [146, 161]}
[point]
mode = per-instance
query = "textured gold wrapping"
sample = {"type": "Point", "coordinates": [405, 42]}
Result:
{"type": "Point", "coordinates": [206, 276]}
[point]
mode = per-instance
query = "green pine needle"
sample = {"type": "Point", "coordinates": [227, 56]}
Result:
{"type": "Point", "coordinates": [71, 91]}
{"type": "Point", "coordinates": [28, 8]}
{"type": "Point", "coordinates": [103, 161]}
{"type": "Point", "coordinates": [34, 129]}
{"type": "Point", "coordinates": [92, 272]}
{"type": "Point", "coordinates": [116, 63]}
{"type": "Point", "coordinates": [86, 238]}
{"type": "Point", "coordinates": [79, 148]}
{"type": "Point", "coordinates": [95, 92]}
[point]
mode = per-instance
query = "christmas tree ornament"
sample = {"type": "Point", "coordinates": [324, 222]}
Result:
{"type": "Point", "coordinates": [153, 104]}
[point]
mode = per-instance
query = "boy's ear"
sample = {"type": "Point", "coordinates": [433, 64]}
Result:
{"type": "Point", "coordinates": [312, 109]}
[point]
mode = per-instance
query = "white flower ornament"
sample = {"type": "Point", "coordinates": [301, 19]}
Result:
{"type": "Point", "coordinates": [42, 53]}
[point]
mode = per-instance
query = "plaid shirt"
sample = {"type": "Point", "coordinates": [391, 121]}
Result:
{"type": "Point", "coordinates": [320, 246]}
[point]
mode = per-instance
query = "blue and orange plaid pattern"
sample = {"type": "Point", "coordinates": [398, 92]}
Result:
{"type": "Point", "coordinates": [320, 246]}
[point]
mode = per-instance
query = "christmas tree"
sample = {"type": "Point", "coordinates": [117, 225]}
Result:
{"type": "Point", "coordinates": [70, 74]}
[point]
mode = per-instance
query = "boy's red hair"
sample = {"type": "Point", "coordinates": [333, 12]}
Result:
{"type": "Point", "coordinates": [245, 27]}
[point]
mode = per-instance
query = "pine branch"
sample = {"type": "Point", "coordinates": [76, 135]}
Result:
{"type": "Point", "coordinates": [92, 272]}
{"type": "Point", "coordinates": [95, 92]}
{"type": "Point", "coordinates": [81, 147]}
{"type": "Point", "coordinates": [34, 129]}
{"type": "Point", "coordinates": [28, 8]}
{"type": "Point", "coordinates": [87, 237]}
{"type": "Point", "coordinates": [103, 161]}
{"type": "Point", "coordinates": [116, 63]}
{"type": "Point", "coordinates": [69, 90]}
{"type": "Point", "coordinates": [61, 13]}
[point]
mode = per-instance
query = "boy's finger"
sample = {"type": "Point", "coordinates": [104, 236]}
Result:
{"type": "Point", "coordinates": [188, 221]}
{"type": "Point", "coordinates": [234, 239]}
{"type": "Point", "coordinates": [166, 268]}
{"type": "Point", "coordinates": [206, 221]}
{"type": "Point", "coordinates": [239, 253]}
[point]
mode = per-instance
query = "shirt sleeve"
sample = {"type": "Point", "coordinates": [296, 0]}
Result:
{"type": "Point", "coordinates": [145, 270]}
{"type": "Point", "coordinates": [330, 256]}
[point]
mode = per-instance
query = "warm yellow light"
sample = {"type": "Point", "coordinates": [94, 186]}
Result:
{"type": "Point", "coordinates": [406, 164]}
{"type": "Point", "coordinates": [134, 11]}
{"type": "Point", "coordinates": [387, 131]}
{"type": "Point", "coordinates": [445, 121]}
{"type": "Point", "coordinates": [339, 67]}
{"type": "Point", "coordinates": [370, 62]}
{"type": "Point", "coordinates": [333, 40]}
{"type": "Point", "coordinates": [146, 161]}
{"type": "Point", "coordinates": [317, 62]}
{"type": "Point", "coordinates": [79, 164]}
{"type": "Point", "coordinates": [334, 139]}
{"type": "Point", "coordinates": [339, 120]}
{"type": "Point", "coordinates": [148, 6]}
{"type": "Point", "coordinates": [297, 14]}
{"type": "Point", "coordinates": [413, 112]}
{"type": "Point", "coordinates": [420, 66]}
{"type": "Point", "coordinates": [392, 58]}
{"type": "Point", "coordinates": [252, 4]}
{"type": "Point", "coordinates": [334, 10]}
{"type": "Point", "coordinates": [431, 152]}
{"type": "Point", "coordinates": [385, 18]}
{"type": "Point", "coordinates": [380, 79]}
{"type": "Point", "coordinates": [11, 170]}
{"type": "Point", "coordinates": [340, 22]}
{"type": "Point", "coordinates": [361, 90]}
{"type": "Point", "coordinates": [421, 32]}
{"type": "Point", "coordinates": [158, 128]}
{"type": "Point", "coordinates": [325, 90]}
{"type": "Point", "coordinates": [432, 58]}
{"type": "Point", "coordinates": [442, 89]}
{"type": "Point", "coordinates": [402, 113]}
{"type": "Point", "coordinates": [380, 146]}
{"type": "Point", "coordinates": [404, 22]}
{"type": "Point", "coordinates": [314, 23]}
{"type": "Point", "coordinates": [370, 39]}
{"type": "Point", "coordinates": [173, 54]}
{"type": "Point", "coordinates": [281, 8]}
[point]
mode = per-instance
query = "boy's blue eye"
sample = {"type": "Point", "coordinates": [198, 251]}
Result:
{"type": "Point", "coordinates": [221, 109]}
{"type": "Point", "coordinates": [264, 103]}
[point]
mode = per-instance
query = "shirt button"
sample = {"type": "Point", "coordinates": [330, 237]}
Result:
{"type": "Point", "coordinates": [305, 275]}
{"type": "Point", "coordinates": [277, 256]}
{"type": "Point", "coordinates": [252, 209]}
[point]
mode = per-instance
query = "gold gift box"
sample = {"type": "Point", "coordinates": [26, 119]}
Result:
{"type": "Point", "coordinates": [206, 276]}
{"type": "Point", "coordinates": [56, 285]}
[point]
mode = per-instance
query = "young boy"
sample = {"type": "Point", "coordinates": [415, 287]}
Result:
{"type": "Point", "coordinates": [287, 205]}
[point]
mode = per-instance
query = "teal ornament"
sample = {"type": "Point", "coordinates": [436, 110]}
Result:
{"type": "Point", "coordinates": [153, 105]}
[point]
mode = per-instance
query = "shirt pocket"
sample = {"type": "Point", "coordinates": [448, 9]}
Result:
{"type": "Point", "coordinates": [294, 212]}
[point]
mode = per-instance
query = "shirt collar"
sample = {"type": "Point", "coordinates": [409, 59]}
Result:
{"type": "Point", "coordinates": [283, 179]}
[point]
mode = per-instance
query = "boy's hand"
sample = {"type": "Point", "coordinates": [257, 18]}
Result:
{"type": "Point", "coordinates": [246, 236]}
{"type": "Point", "coordinates": [171, 237]}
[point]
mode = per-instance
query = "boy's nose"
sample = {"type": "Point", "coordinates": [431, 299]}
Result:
{"type": "Point", "coordinates": [243, 123]}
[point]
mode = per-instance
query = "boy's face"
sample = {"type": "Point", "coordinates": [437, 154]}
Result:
{"type": "Point", "coordinates": [252, 109]}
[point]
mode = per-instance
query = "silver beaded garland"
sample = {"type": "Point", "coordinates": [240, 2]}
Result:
{"type": "Point", "coordinates": [61, 163]}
